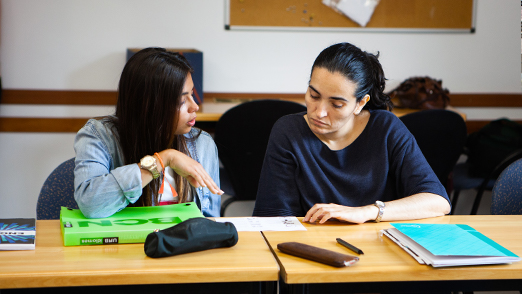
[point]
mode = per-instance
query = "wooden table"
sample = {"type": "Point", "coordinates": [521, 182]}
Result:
{"type": "Point", "coordinates": [53, 265]}
{"type": "Point", "coordinates": [384, 265]}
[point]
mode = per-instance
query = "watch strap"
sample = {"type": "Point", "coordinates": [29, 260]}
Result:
{"type": "Point", "coordinates": [380, 205]}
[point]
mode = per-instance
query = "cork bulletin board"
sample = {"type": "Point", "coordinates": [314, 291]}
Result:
{"type": "Point", "coordinates": [394, 15]}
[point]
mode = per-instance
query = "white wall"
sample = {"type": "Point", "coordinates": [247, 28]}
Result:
{"type": "Point", "coordinates": [77, 44]}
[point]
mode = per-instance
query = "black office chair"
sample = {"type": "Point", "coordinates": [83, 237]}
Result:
{"type": "Point", "coordinates": [241, 136]}
{"type": "Point", "coordinates": [494, 143]}
{"type": "Point", "coordinates": [486, 184]}
{"type": "Point", "coordinates": [507, 192]}
{"type": "Point", "coordinates": [462, 180]}
{"type": "Point", "coordinates": [57, 191]}
{"type": "Point", "coordinates": [441, 135]}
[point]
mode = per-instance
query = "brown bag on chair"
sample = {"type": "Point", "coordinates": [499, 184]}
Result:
{"type": "Point", "coordinates": [420, 93]}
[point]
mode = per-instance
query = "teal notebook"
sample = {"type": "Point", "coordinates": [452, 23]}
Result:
{"type": "Point", "coordinates": [130, 225]}
{"type": "Point", "coordinates": [448, 244]}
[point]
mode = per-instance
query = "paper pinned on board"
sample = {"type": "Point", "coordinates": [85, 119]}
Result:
{"type": "Point", "coordinates": [360, 11]}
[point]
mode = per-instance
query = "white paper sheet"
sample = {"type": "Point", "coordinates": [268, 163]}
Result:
{"type": "Point", "coordinates": [360, 11]}
{"type": "Point", "coordinates": [290, 223]}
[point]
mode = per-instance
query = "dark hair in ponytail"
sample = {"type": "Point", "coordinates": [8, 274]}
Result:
{"type": "Point", "coordinates": [360, 67]}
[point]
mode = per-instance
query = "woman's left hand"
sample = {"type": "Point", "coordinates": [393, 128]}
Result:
{"type": "Point", "coordinates": [324, 212]}
{"type": "Point", "coordinates": [190, 169]}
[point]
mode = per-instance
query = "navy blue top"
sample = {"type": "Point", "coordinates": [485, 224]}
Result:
{"type": "Point", "coordinates": [299, 170]}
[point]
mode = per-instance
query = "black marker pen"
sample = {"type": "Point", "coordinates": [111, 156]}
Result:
{"type": "Point", "coordinates": [349, 246]}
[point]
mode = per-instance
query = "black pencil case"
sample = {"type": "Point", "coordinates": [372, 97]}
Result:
{"type": "Point", "coordinates": [195, 234]}
{"type": "Point", "coordinates": [317, 254]}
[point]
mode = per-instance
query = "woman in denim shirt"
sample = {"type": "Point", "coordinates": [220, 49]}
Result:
{"type": "Point", "coordinates": [120, 158]}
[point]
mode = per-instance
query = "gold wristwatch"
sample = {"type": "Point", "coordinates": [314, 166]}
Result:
{"type": "Point", "coordinates": [380, 205]}
{"type": "Point", "coordinates": [149, 163]}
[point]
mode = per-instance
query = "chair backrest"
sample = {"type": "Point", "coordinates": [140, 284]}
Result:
{"type": "Point", "coordinates": [507, 192]}
{"type": "Point", "coordinates": [57, 191]}
{"type": "Point", "coordinates": [492, 176]}
{"type": "Point", "coordinates": [241, 136]}
{"type": "Point", "coordinates": [441, 135]}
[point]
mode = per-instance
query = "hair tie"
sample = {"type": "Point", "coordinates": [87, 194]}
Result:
{"type": "Point", "coordinates": [160, 191]}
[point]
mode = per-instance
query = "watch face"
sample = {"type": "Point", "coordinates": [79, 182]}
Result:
{"type": "Point", "coordinates": [147, 161]}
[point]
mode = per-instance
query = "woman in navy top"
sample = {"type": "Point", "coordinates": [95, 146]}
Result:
{"type": "Point", "coordinates": [347, 157]}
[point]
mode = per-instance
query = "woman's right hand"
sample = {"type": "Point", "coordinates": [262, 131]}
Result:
{"type": "Point", "coordinates": [190, 169]}
{"type": "Point", "coordinates": [322, 212]}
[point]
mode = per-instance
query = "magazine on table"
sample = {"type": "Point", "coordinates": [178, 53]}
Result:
{"type": "Point", "coordinates": [17, 234]}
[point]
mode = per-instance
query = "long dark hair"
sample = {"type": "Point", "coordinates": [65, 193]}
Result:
{"type": "Point", "coordinates": [149, 95]}
{"type": "Point", "coordinates": [360, 67]}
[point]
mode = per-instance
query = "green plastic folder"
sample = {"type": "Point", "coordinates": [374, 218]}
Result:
{"type": "Point", "coordinates": [130, 225]}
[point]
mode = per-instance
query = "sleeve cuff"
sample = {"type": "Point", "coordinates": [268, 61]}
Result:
{"type": "Point", "coordinates": [129, 179]}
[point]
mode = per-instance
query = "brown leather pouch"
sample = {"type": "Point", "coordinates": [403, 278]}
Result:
{"type": "Point", "coordinates": [317, 254]}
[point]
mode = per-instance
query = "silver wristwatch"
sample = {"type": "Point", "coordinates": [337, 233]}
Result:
{"type": "Point", "coordinates": [149, 163]}
{"type": "Point", "coordinates": [380, 205]}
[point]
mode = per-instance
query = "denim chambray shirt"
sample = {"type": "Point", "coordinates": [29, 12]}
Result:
{"type": "Point", "coordinates": [103, 185]}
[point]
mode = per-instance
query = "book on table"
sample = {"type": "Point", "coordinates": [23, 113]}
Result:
{"type": "Point", "coordinates": [17, 234]}
{"type": "Point", "coordinates": [441, 245]}
{"type": "Point", "coordinates": [129, 225]}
